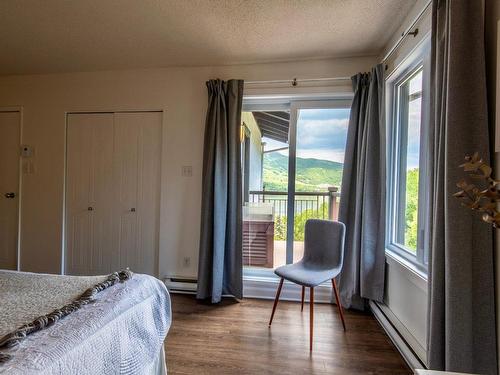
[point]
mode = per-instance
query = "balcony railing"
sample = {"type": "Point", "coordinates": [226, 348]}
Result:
{"type": "Point", "coordinates": [314, 205]}
{"type": "Point", "coordinates": [265, 223]}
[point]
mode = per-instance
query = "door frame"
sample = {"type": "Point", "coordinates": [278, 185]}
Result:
{"type": "Point", "coordinates": [162, 197]}
{"type": "Point", "coordinates": [18, 109]}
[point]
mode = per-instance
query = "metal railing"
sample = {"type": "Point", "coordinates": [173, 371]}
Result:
{"type": "Point", "coordinates": [314, 205]}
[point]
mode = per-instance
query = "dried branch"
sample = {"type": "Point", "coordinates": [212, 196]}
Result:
{"type": "Point", "coordinates": [485, 199]}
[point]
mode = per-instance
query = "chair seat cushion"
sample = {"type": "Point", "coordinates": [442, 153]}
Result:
{"type": "Point", "coordinates": [306, 274]}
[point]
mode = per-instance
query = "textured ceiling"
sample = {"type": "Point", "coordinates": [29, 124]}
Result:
{"type": "Point", "coordinates": [84, 35]}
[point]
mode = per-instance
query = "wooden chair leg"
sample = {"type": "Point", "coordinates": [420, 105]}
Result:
{"type": "Point", "coordinates": [311, 318]}
{"type": "Point", "coordinates": [278, 292]}
{"type": "Point", "coordinates": [339, 304]}
{"type": "Point", "coordinates": [303, 293]}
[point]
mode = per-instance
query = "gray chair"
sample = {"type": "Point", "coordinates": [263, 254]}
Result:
{"type": "Point", "coordinates": [322, 261]}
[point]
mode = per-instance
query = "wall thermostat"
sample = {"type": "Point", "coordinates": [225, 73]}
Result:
{"type": "Point", "coordinates": [27, 151]}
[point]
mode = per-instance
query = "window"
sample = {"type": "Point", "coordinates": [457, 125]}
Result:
{"type": "Point", "coordinates": [292, 152]}
{"type": "Point", "coordinates": [407, 129]}
{"type": "Point", "coordinates": [408, 143]}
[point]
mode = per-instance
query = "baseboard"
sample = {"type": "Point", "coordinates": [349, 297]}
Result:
{"type": "Point", "coordinates": [257, 287]}
{"type": "Point", "coordinates": [181, 285]}
{"type": "Point", "coordinates": [407, 353]}
{"type": "Point", "coordinates": [405, 334]}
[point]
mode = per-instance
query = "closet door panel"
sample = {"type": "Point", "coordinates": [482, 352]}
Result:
{"type": "Point", "coordinates": [102, 167]}
{"type": "Point", "coordinates": [88, 162]}
{"type": "Point", "coordinates": [125, 200]}
{"type": "Point", "coordinates": [78, 195]}
{"type": "Point", "coordinates": [137, 157]}
{"type": "Point", "coordinates": [149, 191]}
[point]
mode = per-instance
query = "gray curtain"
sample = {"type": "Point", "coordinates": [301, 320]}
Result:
{"type": "Point", "coordinates": [461, 326]}
{"type": "Point", "coordinates": [362, 200]}
{"type": "Point", "coordinates": [220, 261]}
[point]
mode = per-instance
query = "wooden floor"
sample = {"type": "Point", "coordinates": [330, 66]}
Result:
{"type": "Point", "coordinates": [234, 338]}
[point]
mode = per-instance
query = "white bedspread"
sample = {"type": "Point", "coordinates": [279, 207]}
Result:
{"type": "Point", "coordinates": [122, 332]}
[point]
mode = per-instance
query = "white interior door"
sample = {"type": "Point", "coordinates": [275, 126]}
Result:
{"type": "Point", "coordinates": [9, 188]}
{"type": "Point", "coordinates": [112, 204]}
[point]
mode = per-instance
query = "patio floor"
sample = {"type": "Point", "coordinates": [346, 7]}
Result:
{"type": "Point", "coordinates": [280, 252]}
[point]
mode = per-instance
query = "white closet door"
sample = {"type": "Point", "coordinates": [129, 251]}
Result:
{"type": "Point", "coordinates": [136, 178]}
{"type": "Point", "coordinates": [9, 188]}
{"type": "Point", "coordinates": [89, 189]}
{"type": "Point", "coordinates": [113, 168]}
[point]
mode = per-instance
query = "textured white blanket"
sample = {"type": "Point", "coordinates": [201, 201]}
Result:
{"type": "Point", "coordinates": [26, 296]}
{"type": "Point", "coordinates": [122, 332]}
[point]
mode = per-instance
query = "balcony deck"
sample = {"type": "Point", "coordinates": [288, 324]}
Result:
{"type": "Point", "coordinates": [280, 252]}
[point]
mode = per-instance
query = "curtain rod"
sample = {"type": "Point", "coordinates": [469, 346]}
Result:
{"type": "Point", "coordinates": [295, 81]}
{"type": "Point", "coordinates": [407, 32]}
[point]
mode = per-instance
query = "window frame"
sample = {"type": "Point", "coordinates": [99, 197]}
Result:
{"type": "Point", "coordinates": [418, 59]}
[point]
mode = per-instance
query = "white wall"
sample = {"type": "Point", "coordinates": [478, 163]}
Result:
{"type": "Point", "coordinates": [181, 93]}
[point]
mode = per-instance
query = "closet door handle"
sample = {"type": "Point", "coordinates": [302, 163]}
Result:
{"type": "Point", "coordinates": [132, 209]}
{"type": "Point", "coordinates": [90, 208]}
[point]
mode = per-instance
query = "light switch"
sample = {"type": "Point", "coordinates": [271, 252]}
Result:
{"type": "Point", "coordinates": [187, 171]}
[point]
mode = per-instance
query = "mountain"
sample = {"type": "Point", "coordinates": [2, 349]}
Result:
{"type": "Point", "coordinates": [311, 174]}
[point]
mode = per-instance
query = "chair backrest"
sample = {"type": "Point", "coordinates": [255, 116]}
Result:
{"type": "Point", "coordinates": [324, 243]}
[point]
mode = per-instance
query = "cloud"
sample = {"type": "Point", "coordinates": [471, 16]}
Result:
{"type": "Point", "coordinates": [323, 113]}
{"type": "Point", "coordinates": [414, 120]}
{"type": "Point", "coordinates": [332, 155]}
{"type": "Point", "coordinates": [322, 134]}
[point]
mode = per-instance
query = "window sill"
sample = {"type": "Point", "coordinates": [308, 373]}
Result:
{"type": "Point", "coordinates": [266, 274]}
{"type": "Point", "coordinates": [395, 259]}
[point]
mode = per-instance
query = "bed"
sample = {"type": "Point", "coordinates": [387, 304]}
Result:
{"type": "Point", "coordinates": [121, 331]}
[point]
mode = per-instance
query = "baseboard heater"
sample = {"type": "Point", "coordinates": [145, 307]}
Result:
{"type": "Point", "coordinates": [177, 284]}
{"type": "Point", "coordinates": [406, 351]}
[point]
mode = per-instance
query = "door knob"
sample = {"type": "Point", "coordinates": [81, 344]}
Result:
{"type": "Point", "coordinates": [132, 209]}
{"type": "Point", "coordinates": [90, 208]}
{"type": "Point", "coordinates": [10, 195]}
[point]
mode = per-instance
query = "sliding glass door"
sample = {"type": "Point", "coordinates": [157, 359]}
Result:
{"type": "Point", "coordinates": [292, 157]}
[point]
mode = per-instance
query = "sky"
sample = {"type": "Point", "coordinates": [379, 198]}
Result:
{"type": "Point", "coordinates": [414, 109]}
{"type": "Point", "coordinates": [322, 133]}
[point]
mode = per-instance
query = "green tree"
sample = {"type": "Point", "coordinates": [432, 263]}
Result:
{"type": "Point", "coordinates": [280, 228]}
{"type": "Point", "coordinates": [280, 222]}
{"type": "Point", "coordinates": [411, 217]}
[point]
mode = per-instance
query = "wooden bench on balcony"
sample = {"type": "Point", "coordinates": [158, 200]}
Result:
{"type": "Point", "coordinates": [258, 243]}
